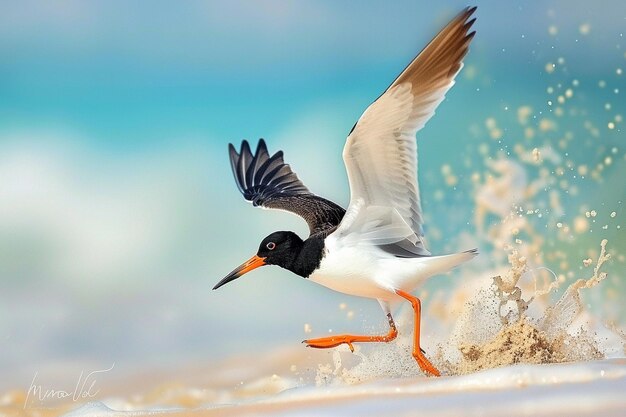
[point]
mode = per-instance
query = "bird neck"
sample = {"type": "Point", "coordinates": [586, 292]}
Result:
{"type": "Point", "coordinates": [308, 258]}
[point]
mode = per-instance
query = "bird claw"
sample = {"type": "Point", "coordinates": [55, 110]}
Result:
{"type": "Point", "coordinates": [329, 342]}
{"type": "Point", "coordinates": [425, 365]}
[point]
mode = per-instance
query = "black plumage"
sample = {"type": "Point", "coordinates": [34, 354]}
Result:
{"type": "Point", "coordinates": [269, 182]}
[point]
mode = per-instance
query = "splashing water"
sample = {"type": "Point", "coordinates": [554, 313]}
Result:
{"type": "Point", "coordinates": [493, 330]}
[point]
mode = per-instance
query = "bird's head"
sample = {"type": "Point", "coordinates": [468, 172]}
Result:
{"type": "Point", "coordinates": [279, 248]}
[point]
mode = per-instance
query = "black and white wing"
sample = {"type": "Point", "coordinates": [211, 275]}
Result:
{"type": "Point", "coordinates": [381, 150]}
{"type": "Point", "coordinates": [267, 181]}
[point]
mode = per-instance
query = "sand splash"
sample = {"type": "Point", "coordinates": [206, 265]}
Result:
{"type": "Point", "coordinates": [521, 339]}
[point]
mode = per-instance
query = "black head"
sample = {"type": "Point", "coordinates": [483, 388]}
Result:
{"type": "Point", "coordinates": [279, 248]}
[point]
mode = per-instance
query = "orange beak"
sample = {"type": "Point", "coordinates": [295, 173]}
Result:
{"type": "Point", "coordinates": [249, 265]}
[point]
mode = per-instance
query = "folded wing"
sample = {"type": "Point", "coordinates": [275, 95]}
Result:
{"type": "Point", "coordinates": [268, 182]}
{"type": "Point", "coordinates": [381, 151]}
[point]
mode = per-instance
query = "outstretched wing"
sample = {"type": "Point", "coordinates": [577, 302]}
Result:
{"type": "Point", "coordinates": [267, 181]}
{"type": "Point", "coordinates": [381, 151]}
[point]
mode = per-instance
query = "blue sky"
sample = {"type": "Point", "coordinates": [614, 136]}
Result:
{"type": "Point", "coordinates": [127, 77]}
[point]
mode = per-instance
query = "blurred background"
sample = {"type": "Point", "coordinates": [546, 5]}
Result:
{"type": "Point", "coordinates": [118, 212]}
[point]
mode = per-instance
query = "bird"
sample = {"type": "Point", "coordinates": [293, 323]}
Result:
{"type": "Point", "coordinates": [376, 247]}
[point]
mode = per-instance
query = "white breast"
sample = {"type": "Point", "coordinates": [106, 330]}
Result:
{"type": "Point", "coordinates": [367, 271]}
{"type": "Point", "coordinates": [352, 270]}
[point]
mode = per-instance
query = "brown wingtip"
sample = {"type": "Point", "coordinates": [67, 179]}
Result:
{"type": "Point", "coordinates": [466, 13]}
{"type": "Point", "coordinates": [440, 60]}
{"type": "Point", "coordinates": [469, 24]}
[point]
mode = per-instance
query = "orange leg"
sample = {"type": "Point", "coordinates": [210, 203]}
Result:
{"type": "Point", "coordinates": [418, 354]}
{"type": "Point", "coordinates": [333, 341]}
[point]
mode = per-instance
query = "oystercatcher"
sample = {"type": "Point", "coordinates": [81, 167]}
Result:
{"type": "Point", "coordinates": [375, 249]}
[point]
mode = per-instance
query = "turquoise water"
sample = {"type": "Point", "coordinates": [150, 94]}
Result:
{"type": "Point", "coordinates": [118, 212]}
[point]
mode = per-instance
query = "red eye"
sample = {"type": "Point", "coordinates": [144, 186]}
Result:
{"type": "Point", "coordinates": [271, 245]}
